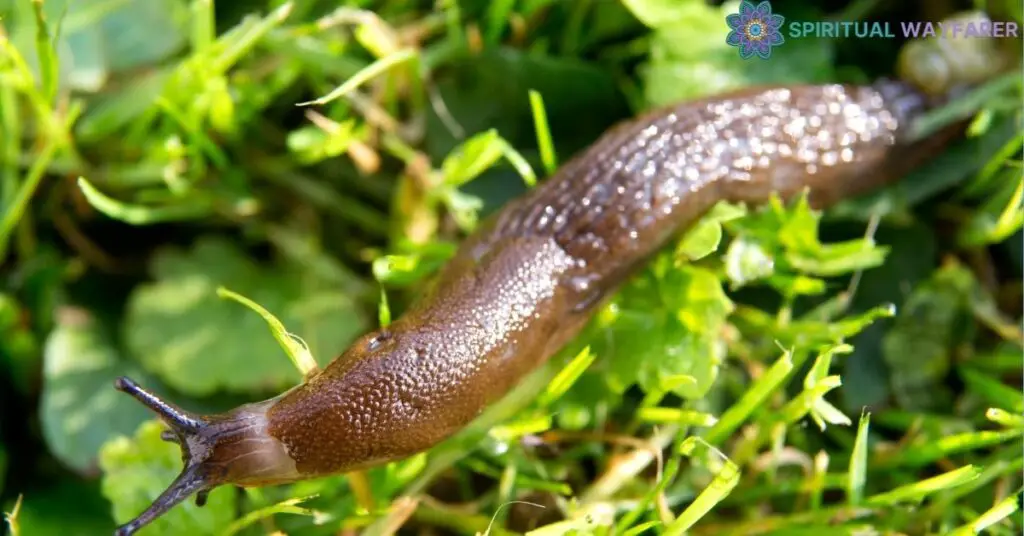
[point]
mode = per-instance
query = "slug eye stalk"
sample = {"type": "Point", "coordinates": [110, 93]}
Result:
{"type": "Point", "coordinates": [226, 448]}
{"type": "Point", "coordinates": [192, 435]}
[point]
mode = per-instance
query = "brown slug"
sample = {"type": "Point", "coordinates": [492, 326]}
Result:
{"type": "Point", "coordinates": [530, 277]}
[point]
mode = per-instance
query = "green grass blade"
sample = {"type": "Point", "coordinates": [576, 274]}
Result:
{"type": "Point", "coordinates": [857, 473]}
{"type": "Point", "coordinates": [540, 123]}
{"type": "Point", "coordinates": [296, 349]}
{"type": "Point", "coordinates": [751, 400]}
{"type": "Point", "coordinates": [204, 31]}
{"type": "Point", "coordinates": [240, 46]}
{"type": "Point", "coordinates": [1000, 511]}
{"type": "Point", "coordinates": [364, 75]}
{"type": "Point", "coordinates": [993, 391]}
{"type": "Point", "coordinates": [288, 506]}
{"type": "Point", "coordinates": [48, 66]}
{"type": "Point", "coordinates": [917, 491]}
{"type": "Point", "coordinates": [926, 453]}
{"type": "Point", "coordinates": [683, 417]}
{"type": "Point", "coordinates": [11, 518]}
{"type": "Point", "coordinates": [1005, 418]}
{"type": "Point", "coordinates": [12, 214]}
{"type": "Point", "coordinates": [497, 16]}
{"type": "Point", "coordinates": [140, 215]}
{"type": "Point", "coordinates": [717, 490]}
{"type": "Point", "coordinates": [566, 377]}
{"type": "Point", "coordinates": [519, 163]}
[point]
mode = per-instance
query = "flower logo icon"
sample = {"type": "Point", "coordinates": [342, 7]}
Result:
{"type": "Point", "coordinates": [755, 30]}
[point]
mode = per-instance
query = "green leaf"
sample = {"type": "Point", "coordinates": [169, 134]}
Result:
{"type": "Point", "coordinates": [780, 244]}
{"type": "Point", "coordinates": [99, 39]}
{"type": "Point", "coordinates": [472, 158]}
{"type": "Point", "coordinates": [80, 409]}
{"type": "Point", "coordinates": [857, 472]}
{"type": "Point", "coordinates": [668, 325]}
{"type": "Point", "coordinates": [566, 377]}
{"type": "Point", "coordinates": [704, 237]}
{"type": "Point", "coordinates": [287, 506]}
{"type": "Point", "coordinates": [292, 345]}
{"type": "Point", "coordinates": [689, 56]}
{"type": "Point", "coordinates": [919, 347]}
{"type": "Point", "coordinates": [655, 13]}
{"type": "Point", "coordinates": [999, 217]}
{"type": "Point", "coordinates": [312, 144]}
{"type": "Point", "coordinates": [198, 343]}
{"type": "Point", "coordinates": [916, 492]}
{"type": "Point", "coordinates": [136, 470]}
{"type": "Point", "coordinates": [808, 332]}
{"type": "Point", "coordinates": [747, 261]}
{"type": "Point", "coordinates": [478, 154]}
{"type": "Point", "coordinates": [805, 252]}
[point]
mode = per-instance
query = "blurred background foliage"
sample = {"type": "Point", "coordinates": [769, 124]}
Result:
{"type": "Point", "coordinates": [152, 151]}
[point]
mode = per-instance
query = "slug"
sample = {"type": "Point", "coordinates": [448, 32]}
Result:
{"type": "Point", "coordinates": [531, 276]}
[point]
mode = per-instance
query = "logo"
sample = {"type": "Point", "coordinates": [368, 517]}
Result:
{"type": "Point", "coordinates": [755, 30]}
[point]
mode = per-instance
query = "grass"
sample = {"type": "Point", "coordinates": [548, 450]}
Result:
{"type": "Point", "coordinates": [775, 371]}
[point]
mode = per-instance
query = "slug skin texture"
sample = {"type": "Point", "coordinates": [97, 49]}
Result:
{"type": "Point", "coordinates": [526, 282]}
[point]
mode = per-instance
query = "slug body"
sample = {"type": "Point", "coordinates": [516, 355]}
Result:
{"type": "Point", "coordinates": [527, 282]}
{"type": "Point", "coordinates": [530, 278]}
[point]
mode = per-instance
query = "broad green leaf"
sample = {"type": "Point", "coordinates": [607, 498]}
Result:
{"type": "Point", "coordinates": [689, 56]}
{"type": "Point", "coordinates": [668, 326]}
{"type": "Point", "coordinates": [137, 469]}
{"type": "Point", "coordinates": [780, 244]}
{"type": "Point", "coordinates": [199, 343]}
{"type": "Point", "coordinates": [100, 39]}
{"type": "Point", "coordinates": [805, 252]}
{"type": "Point", "coordinates": [919, 347]}
{"type": "Point", "coordinates": [472, 158]}
{"type": "Point", "coordinates": [704, 237]}
{"type": "Point", "coordinates": [80, 409]}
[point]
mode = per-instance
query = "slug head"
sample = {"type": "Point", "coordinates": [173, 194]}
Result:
{"type": "Point", "coordinates": [229, 448]}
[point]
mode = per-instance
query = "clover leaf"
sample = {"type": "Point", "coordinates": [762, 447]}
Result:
{"type": "Point", "coordinates": [80, 408]}
{"type": "Point", "coordinates": [199, 343]}
{"type": "Point", "coordinates": [667, 327]}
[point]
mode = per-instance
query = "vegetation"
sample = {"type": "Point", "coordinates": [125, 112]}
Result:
{"type": "Point", "coordinates": [777, 370]}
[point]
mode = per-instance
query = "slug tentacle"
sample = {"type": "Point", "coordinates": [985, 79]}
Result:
{"type": "Point", "coordinates": [233, 447]}
{"type": "Point", "coordinates": [188, 482]}
{"type": "Point", "coordinates": [181, 422]}
{"type": "Point", "coordinates": [186, 430]}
